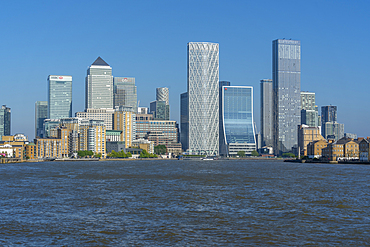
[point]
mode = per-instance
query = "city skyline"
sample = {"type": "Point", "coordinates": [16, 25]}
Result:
{"type": "Point", "coordinates": [245, 56]}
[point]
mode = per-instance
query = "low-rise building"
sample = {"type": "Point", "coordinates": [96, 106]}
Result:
{"type": "Point", "coordinates": [364, 147]}
{"type": "Point", "coordinates": [307, 134]}
{"type": "Point", "coordinates": [314, 149]}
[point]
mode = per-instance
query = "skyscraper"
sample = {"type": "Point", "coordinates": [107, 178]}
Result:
{"type": "Point", "coordinates": [5, 121]}
{"type": "Point", "coordinates": [59, 96]}
{"type": "Point", "coordinates": [309, 111]}
{"type": "Point", "coordinates": [203, 96]}
{"type": "Point", "coordinates": [41, 113]}
{"type": "Point", "coordinates": [184, 120]}
{"type": "Point", "coordinates": [286, 78]}
{"type": "Point", "coordinates": [329, 126]}
{"type": "Point", "coordinates": [237, 120]}
{"type": "Point", "coordinates": [99, 85]}
{"type": "Point", "coordinates": [125, 92]}
{"type": "Point", "coordinates": [161, 108]}
{"type": "Point", "coordinates": [266, 111]}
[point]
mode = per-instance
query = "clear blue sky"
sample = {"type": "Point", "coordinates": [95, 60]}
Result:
{"type": "Point", "coordinates": [148, 40]}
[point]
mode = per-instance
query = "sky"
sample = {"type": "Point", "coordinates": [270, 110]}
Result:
{"type": "Point", "coordinates": [148, 40]}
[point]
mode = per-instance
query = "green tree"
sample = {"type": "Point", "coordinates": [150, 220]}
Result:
{"type": "Point", "coordinates": [254, 153]}
{"type": "Point", "coordinates": [241, 153]}
{"type": "Point", "coordinates": [160, 149]}
{"type": "Point", "coordinates": [98, 155]}
{"type": "Point", "coordinates": [129, 154]}
{"type": "Point", "coordinates": [288, 155]}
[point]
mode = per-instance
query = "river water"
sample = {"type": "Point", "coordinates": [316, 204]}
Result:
{"type": "Point", "coordinates": [184, 203]}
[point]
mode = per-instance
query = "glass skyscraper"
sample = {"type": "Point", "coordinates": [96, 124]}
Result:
{"type": "Point", "coordinates": [203, 96]}
{"type": "Point", "coordinates": [59, 96]}
{"type": "Point", "coordinates": [41, 113]}
{"type": "Point", "coordinates": [125, 92]}
{"type": "Point", "coordinates": [237, 120]}
{"type": "Point", "coordinates": [99, 85]}
{"type": "Point", "coordinates": [184, 120]}
{"type": "Point", "coordinates": [161, 107]}
{"type": "Point", "coordinates": [286, 80]}
{"type": "Point", "coordinates": [309, 111]}
{"type": "Point", "coordinates": [5, 121]}
{"type": "Point", "coordinates": [266, 111]}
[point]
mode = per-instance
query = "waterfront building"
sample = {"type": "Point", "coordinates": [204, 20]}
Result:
{"type": "Point", "coordinates": [6, 151]}
{"type": "Point", "coordinates": [314, 149]}
{"type": "Point", "coordinates": [144, 144]}
{"type": "Point", "coordinates": [92, 136]}
{"type": "Point", "coordinates": [99, 85]}
{"type": "Point", "coordinates": [309, 111]}
{"type": "Point", "coordinates": [48, 148]}
{"type": "Point", "coordinates": [98, 114]}
{"type": "Point", "coordinates": [184, 121]}
{"type": "Point", "coordinates": [307, 134]}
{"type": "Point", "coordinates": [237, 120]}
{"type": "Point", "coordinates": [286, 78]}
{"type": "Point", "coordinates": [41, 113]}
{"type": "Point", "coordinates": [113, 135]}
{"type": "Point", "coordinates": [203, 98]}
{"type": "Point", "coordinates": [266, 112]}
{"type": "Point", "coordinates": [125, 92]}
{"type": "Point", "coordinates": [17, 143]}
{"type": "Point", "coordinates": [5, 121]}
{"type": "Point", "coordinates": [364, 149]}
{"type": "Point", "coordinates": [31, 151]}
{"type": "Point", "coordinates": [124, 119]}
{"type": "Point", "coordinates": [343, 149]}
{"type": "Point", "coordinates": [59, 96]}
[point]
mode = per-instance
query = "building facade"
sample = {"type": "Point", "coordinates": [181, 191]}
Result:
{"type": "Point", "coordinates": [98, 114]}
{"type": "Point", "coordinates": [203, 98]}
{"type": "Point", "coordinates": [237, 120]}
{"type": "Point", "coordinates": [99, 85]}
{"type": "Point", "coordinates": [41, 113]}
{"type": "Point", "coordinates": [266, 112]}
{"type": "Point", "coordinates": [59, 96]}
{"type": "Point", "coordinates": [125, 92]}
{"type": "Point", "coordinates": [5, 121]}
{"type": "Point", "coordinates": [307, 134]}
{"type": "Point", "coordinates": [126, 122]}
{"type": "Point", "coordinates": [286, 77]}
{"type": "Point", "coordinates": [92, 136]}
{"type": "Point", "coordinates": [184, 121]}
{"type": "Point", "coordinates": [309, 110]}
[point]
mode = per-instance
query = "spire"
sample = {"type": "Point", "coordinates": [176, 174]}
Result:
{"type": "Point", "coordinates": [100, 62]}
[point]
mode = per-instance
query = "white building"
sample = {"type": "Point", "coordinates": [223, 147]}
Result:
{"type": "Point", "coordinates": [98, 114]}
{"type": "Point", "coordinates": [203, 94]}
{"type": "Point", "coordinates": [99, 85]}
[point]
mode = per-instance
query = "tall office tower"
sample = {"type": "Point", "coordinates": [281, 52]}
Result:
{"type": "Point", "coordinates": [328, 114]}
{"type": "Point", "coordinates": [237, 120]}
{"type": "Point", "coordinates": [5, 121]}
{"type": "Point", "coordinates": [266, 112]}
{"type": "Point", "coordinates": [203, 95]}
{"type": "Point", "coordinates": [286, 80]}
{"type": "Point", "coordinates": [41, 113]}
{"type": "Point", "coordinates": [99, 85]}
{"type": "Point", "coordinates": [161, 108]}
{"type": "Point", "coordinates": [124, 92]}
{"type": "Point", "coordinates": [184, 121]}
{"type": "Point", "coordinates": [222, 148]}
{"type": "Point", "coordinates": [163, 94]}
{"type": "Point", "coordinates": [59, 96]}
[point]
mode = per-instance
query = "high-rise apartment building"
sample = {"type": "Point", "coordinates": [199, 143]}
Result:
{"type": "Point", "coordinates": [5, 121]}
{"type": "Point", "coordinates": [203, 96]}
{"type": "Point", "coordinates": [92, 136]}
{"type": "Point", "coordinates": [328, 114]}
{"type": "Point", "coordinates": [99, 85]}
{"type": "Point", "coordinates": [41, 113]}
{"type": "Point", "coordinates": [59, 96]}
{"type": "Point", "coordinates": [125, 92]}
{"type": "Point", "coordinates": [286, 80]}
{"type": "Point", "coordinates": [237, 120]}
{"type": "Point", "coordinates": [266, 112]}
{"type": "Point", "coordinates": [125, 120]}
{"type": "Point", "coordinates": [329, 126]}
{"type": "Point", "coordinates": [309, 110]}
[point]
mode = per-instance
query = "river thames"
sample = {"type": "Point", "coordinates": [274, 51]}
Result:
{"type": "Point", "coordinates": [177, 203]}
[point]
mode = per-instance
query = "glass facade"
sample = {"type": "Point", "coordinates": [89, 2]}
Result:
{"type": "Point", "coordinates": [125, 92]}
{"type": "Point", "coordinates": [160, 110]}
{"type": "Point", "coordinates": [309, 111]}
{"type": "Point", "coordinates": [41, 113]}
{"type": "Point", "coordinates": [99, 85]}
{"type": "Point", "coordinates": [184, 121]}
{"type": "Point", "coordinates": [203, 98]}
{"type": "Point", "coordinates": [5, 121]}
{"type": "Point", "coordinates": [237, 119]}
{"type": "Point", "coordinates": [286, 80]}
{"type": "Point", "coordinates": [59, 96]}
{"type": "Point", "coordinates": [266, 111]}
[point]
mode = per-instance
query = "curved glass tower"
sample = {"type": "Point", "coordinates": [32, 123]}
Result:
{"type": "Point", "coordinates": [237, 120]}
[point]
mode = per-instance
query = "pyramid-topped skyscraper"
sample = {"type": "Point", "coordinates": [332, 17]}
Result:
{"type": "Point", "coordinates": [99, 85]}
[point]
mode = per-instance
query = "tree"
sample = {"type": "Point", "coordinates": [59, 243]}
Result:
{"type": "Point", "coordinates": [254, 153]}
{"type": "Point", "coordinates": [98, 155]}
{"type": "Point", "coordinates": [160, 149]}
{"type": "Point", "coordinates": [241, 153]}
{"type": "Point", "coordinates": [288, 155]}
